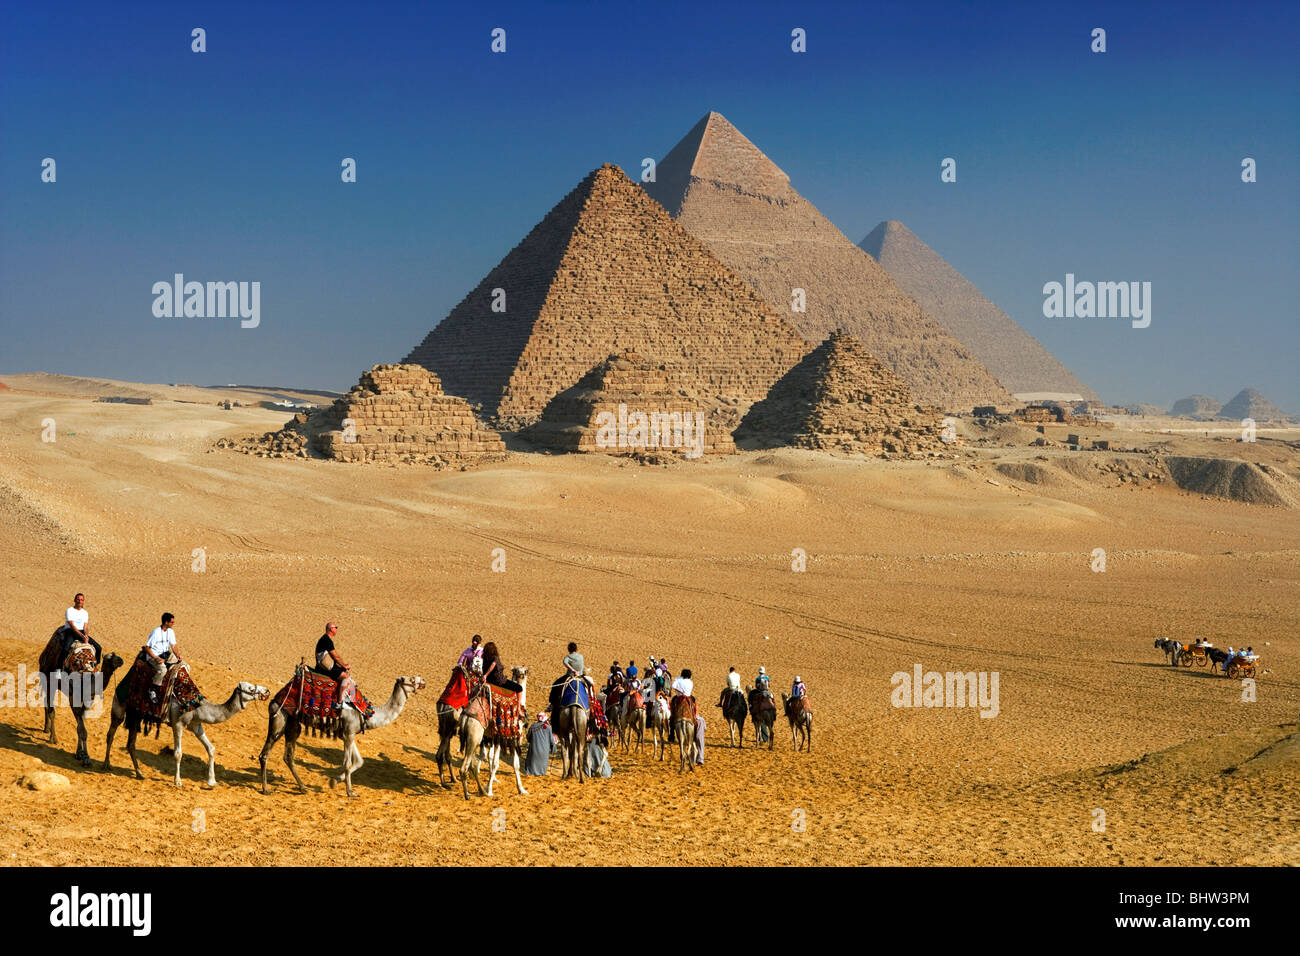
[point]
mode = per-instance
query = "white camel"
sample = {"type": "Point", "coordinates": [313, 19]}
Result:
{"type": "Point", "coordinates": [194, 720]}
{"type": "Point", "coordinates": [350, 724]}
{"type": "Point", "coordinates": [474, 736]}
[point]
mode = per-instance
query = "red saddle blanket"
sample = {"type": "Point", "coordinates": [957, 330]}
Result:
{"type": "Point", "coordinates": [456, 693]}
{"type": "Point", "coordinates": [143, 713]}
{"type": "Point", "coordinates": [599, 722]}
{"type": "Point", "coordinates": [637, 701]}
{"type": "Point", "coordinates": [683, 708]}
{"type": "Point", "coordinates": [318, 700]}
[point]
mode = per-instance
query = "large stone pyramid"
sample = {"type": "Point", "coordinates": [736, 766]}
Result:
{"type": "Point", "coordinates": [394, 413]}
{"type": "Point", "coordinates": [1249, 403]}
{"type": "Point", "coordinates": [1017, 358]}
{"type": "Point", "coordinates": [840, 397]}
{"type": "Point", "coordinates": [633, 403]}
{"type": "Point", "coordinates": [606, 270]}
{"type": "Point", "coordinates": [723, 189]}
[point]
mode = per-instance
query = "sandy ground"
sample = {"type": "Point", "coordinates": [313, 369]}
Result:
{"type": "Point", "coordinates": [924, 563]}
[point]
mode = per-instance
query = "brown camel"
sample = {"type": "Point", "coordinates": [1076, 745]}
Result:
{"type": "Point", "coordinates": [631, 719]}
{"type": "Point", "coordinates": [684, 726]}
{"type": "Point", "coordinates": [735, 710]}
{"type": "Point", "coordinates": [762, 711]}
{"type": "Point", "coordinates": [448, 727]}
{"type": "Point", "coordinates": [83, 685]}
{"type": "Point", "coordinates": [799, 712]}
{"type": "Point", "coordinates": [571, 727]}
{"type": "Point", "coordinates": [351, 723]}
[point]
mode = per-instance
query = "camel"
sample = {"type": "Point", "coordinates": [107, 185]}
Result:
{"type": "Point", "coordinates": [571, 727]}
{"type": "Point", "coordinates": [84, 686]}
{"type": "Point", "coordinates": [734, 709]}
{"type": "Point", "coordinates": [350, 724]}
{"type": "Point", "coordinates": [473, 735]}
{"type": "Point", "coordinates": [657, 716]}
{"type": "Point", "coordinates": [1171, 649]}
{"type": "Point", "coordinates": [685, 728]}
{"type": "Point", "coordinates": [800, 721]}
{"type": "Point", "coordinates": [631, 717]}
{"type": "Point", "coordinates": [762, 712]}
{"type": "Point", "coordinates": [207, 712]}
{"type": "Point", "coordinates": [448, 727]}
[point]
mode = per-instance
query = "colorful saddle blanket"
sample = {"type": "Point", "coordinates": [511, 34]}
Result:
{"type": "Point", "coordinates": [145, 714]}
{"type": "Point", "coordinates": [456, 693]}
{"type": "Point", "coordinates": [599, 722]}
{"type": "Point", "coordinates": [573, 692]}
{"type": "Point", "coordinates": [495, 708]}
{"type": "Point", "coordinates": [635, 701]}
{"type": "Point", "coordinates": [683, 708]}
{"type": "Point", "coordinates": [318, 701]}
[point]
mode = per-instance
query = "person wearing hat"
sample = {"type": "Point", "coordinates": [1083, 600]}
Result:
{"type": "Point", "coordinates": [797, 689]}
{"type": "Point", "coordinates": [542, 743]}
{"type": "Point", "coordinates": [762, 681]}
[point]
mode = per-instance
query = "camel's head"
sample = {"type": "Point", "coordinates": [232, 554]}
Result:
{"type": "Point", "coordinates": [252, 691]}
{"type": "Point", "coordinates": [520, 674]}
{"type": "Point", "coordinates": [411, 684]}
{"type": "Point", "coordinates": [111, 663]}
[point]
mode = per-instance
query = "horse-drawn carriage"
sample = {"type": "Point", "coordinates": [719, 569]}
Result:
{"type": "Point", "coordinates": [1197, 654]}
{"type": "Point", "coordinates": [1242, 667]}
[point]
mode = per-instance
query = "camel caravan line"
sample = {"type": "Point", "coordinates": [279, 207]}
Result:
{"type": "Point", "coordinates": [485, 711]}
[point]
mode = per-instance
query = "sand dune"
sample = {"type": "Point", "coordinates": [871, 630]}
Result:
{"type": "Point", "coordinates": [907, 563]}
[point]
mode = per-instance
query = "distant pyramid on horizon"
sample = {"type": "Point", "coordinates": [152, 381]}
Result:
{"type": "Point", "coordinates": [1249, 403]}
{"type": "Point", "coordinates": [1196, 406]}
{"type": "Point", "coordinates": [606, 270]}
{"type": "Point", "coordinates": [724, 190]}
{"type": "Point", "coordinates": [839, 396]}
{"type": "Point", "coordinates": [1019, 360]}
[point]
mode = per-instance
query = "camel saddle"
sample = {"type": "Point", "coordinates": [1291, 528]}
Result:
{"type": "Point", "coordinates": [761, 700]}
{"type": "Point", "coordinates": [54, 657]}
{"type": "Point", "coordinates": [796, 707]}
{"type": "Point", "coordinates": [143, 714]}
{"type": "Point", "coordinates": [599, 722]}
{"type": "Point", "coordinates": [495, 708]}
{"type": "Point", "coordinates": [318, 701]}
{"type": "Point", "coordinates": [456, 693]}
{"type": "Point", "coordinates": [613, 697]}
{"type": "Point", "coordinates": [573, 690]}
{"type": "Point", "coordinates": [638, 701]}
{"type": "Point", "coordinates": [683, 708]}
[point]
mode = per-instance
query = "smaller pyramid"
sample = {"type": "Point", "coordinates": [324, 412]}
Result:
{"type": "Point", "coordinates": [395, 413]}
{"type": "Point", "coordinates": [1249, 403]}
{"type": "Point", "coordinates": [633, 403]}
{"type": "Point", "coordinates": [1196, 406]}
{"type": "Point", "coordinates": [841, 397]}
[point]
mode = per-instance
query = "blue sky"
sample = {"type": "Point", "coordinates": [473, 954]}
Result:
{"type": "Point", "coordinates": [225, 165]}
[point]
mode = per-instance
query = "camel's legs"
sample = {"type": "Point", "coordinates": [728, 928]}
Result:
{"type": "Point", "coordinates": [274, 731]}
{"type": "Point", "coordinates": [177, 732]}
{"type": "Point", "coordinates": [494, 761]}
{"type": "Point", "coordinates": [114, 721]}
{"type": "Point", "coordinates": [197, 729]}
{"type": "Point", "coordinates": [291, 731]}
{"type": "Point", "coordinates": [352, 761]}
{"type": "Point", "coordinates": [83, 752]}
{"type": "Point", "coordinates": [130, 749]}
{"type": "Point", "coordinates": [514, 761]}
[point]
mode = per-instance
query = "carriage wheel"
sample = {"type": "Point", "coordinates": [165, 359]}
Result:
{"type": "Point", "coordinates": [1232, 670]}
{"type": "Point", "coordinates": [1203, 660]}
{"type": "Point", "coordinates": [1185, 658]}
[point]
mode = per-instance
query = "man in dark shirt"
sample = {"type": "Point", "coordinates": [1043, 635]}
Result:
{"type": "Point", "coordinates": [328, 661]}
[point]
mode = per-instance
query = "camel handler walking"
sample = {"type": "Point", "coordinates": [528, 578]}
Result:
{"type": "Point", "coordinates": [161, 652]}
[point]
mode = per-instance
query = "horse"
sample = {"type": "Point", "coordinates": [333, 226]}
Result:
{"type": "Point", "coordinates": [1171, 649]}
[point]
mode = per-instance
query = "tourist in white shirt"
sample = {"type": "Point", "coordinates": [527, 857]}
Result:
{"type": "Point", "coordinates": [733, 686]}
{"type": "Point", "coordinates": [684, 685]}
{"type": "Point", "coordinates": [161, 651]}
{"type": "Point", "coordinates": [76, 622]}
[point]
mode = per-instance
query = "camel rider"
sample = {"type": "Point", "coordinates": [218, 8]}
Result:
{"type": "Point", "coordinates": [328, 660]}
{"type": "Point", "coordinates": [76, 627]}
{"type": "Point", "coordinates": [684, 685]}
{"type": "Point", "coordinates": [762, 681]}
{"type": "Point", "coordinates": [797, 689]}
{"type": "Point", "coordinates": [615, 678]}
{"type": "Point", "coordinates": [733, 686]}
{"type": "Point", "coordinates": [574, 665]}
{"type": "Point", "coordinates": [161, 652]}
{"type": "Point", "coordinates": [631, 671]}
{"type": "Point", "coordinates": [494, 672]}
{"type": "Point", "coordinates": [474, 650]}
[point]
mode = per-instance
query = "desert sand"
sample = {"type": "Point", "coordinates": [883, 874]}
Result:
{"type": "Point", "coordinates": [952, 564]}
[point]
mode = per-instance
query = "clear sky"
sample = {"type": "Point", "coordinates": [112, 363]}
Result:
{"type": "Point", "coordinates": [225, 165]}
